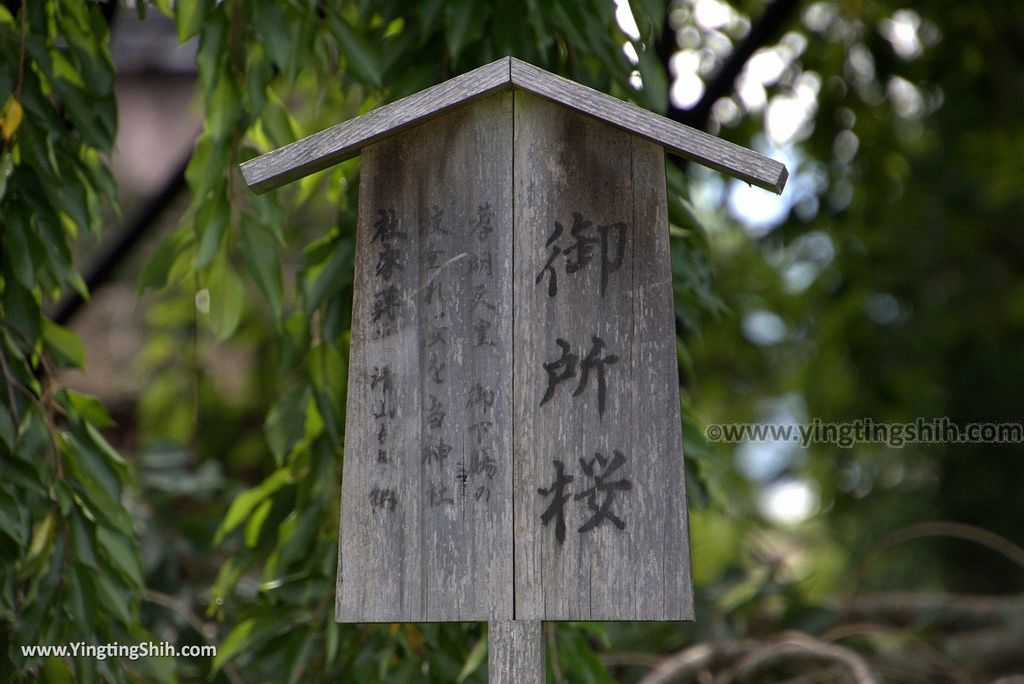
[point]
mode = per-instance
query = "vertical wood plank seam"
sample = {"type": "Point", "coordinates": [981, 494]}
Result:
{"type": "Point", "coordinates": [420, 353]}
{"type": "Point", "coordinates": [512, 388]}
{"type": "Point", "coordinates": [632, 315]}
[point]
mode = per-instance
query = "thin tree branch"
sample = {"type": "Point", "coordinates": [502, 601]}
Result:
{"type": "Point", "coordinates": [205, 630]}
{"type": "Point", "coordinates": [955, 530]}
{"type": "Point", "coordinates": [765, 29]}
{"type": "Point", "coordinates": [945, 664]}
{"type": "Point", "coordinates": [21, 51]}
{"type": "Point", "coordinates": [630, 659]}
{"type": "Point", "coordinates": [696, 658]}
{"type": "Point", "coordinates": [10, 382]}
{"type": "Point", "coordinates": [800, 647]}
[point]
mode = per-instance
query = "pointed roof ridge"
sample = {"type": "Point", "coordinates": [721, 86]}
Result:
{"type": "Point", "coordinates": [344, 141]}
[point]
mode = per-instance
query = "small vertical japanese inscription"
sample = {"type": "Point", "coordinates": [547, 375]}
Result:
{"type": "Point", "coordinates": [389, 239]}
{"type": "Point", "coordinates": [381, 389]}
{"type": "Point", "coordinates": [436, 340]}
{"type": "Point", "coordinates": [481, 462]}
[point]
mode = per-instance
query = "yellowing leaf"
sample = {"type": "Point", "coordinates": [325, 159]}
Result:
{"type": "Point", "coordinates": [42, 534]}
{"type": "Point", "coordinates": [473, 661]}
{"type": "Point", "coordinates": [12, 119]}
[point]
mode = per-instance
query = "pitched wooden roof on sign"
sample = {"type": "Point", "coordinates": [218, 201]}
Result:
{"type": "Point", "coordinates": [344, 141]}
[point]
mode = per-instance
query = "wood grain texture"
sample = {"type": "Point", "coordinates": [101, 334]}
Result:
{"type": "Point", "coordinates": [426, 525]}
{"type": "Point", "coordinates": [684, 141]}
{"type": "Point", "coordinates": [622, 553]}
{"type": "Point", "coordinates": [515, 652]}
{"type": "Point", "coordinates": [344, 141]}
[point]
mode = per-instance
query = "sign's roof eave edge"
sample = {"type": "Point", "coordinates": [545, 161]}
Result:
{"type": "Point", "coordinates": [345, 140]}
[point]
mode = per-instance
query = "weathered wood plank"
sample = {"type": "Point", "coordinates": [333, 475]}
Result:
{"type": "Point", "coordinates": [426, 530]}
{"type": "Point", "coordinates": [664, 579]}
{"type": "Point", "coordinates": [344, 141]}
{"type": "Point", "coordinates": [515, 652]}
{"type": "Point", "coordinates": [684, 141]}
{"type": "Point", "coordinates": [600, 507]}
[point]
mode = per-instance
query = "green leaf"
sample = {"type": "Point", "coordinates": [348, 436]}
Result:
{"type": "Point", "coordinates": [473, 661]}
{"type": "Point", "coordinates": [261, 258]}
{"type": "Point", "coordinates": [93, 115]}
{"type": "Point", "coordinates": [655, 83]}
{"type": "Point", "coordinates": [205, 172]}
{"type": "Point", "coordinates": [33, 437]}
{"type": "Point", "coordinates": [90, 408]}
{"type": "Point", "coordinates": [331, 641]}
{"type": "Point", "coordinates": [258, 72]}
{"type": "Point", "coordinates": [255, 524]}
{"type": "Point", "coordinates": [212, 222]}
{"type": "Point", "coordinates": [55, 670]}
{"type": "Point", "coordinates": [362, 59]}
{"type": "Point", "coordinates": [328, 412]}
{"type": "Point", "coordinates": [247, 501]}
{"type": "Point", "coordinates": [95, 478]}
{"type": "Point", "coordinates": [78, 285]}
{"type": "Point", "coordinates": [285, 423]}
{"type": "Point", "coordinates": [277, 122]}
{"type": "Point", "coordinates": [64, 344]}
{"type": "Point", "coordinates": [188, 15]}
{"type": "Point", "coordinates": [428, 15]}
{"type": "Point", "coordinates": [112, 457]}
{"type": "Point", "coordinates": [465, 19]}
{"type": "Point", "coordinates": [114, 597]}
{"type": "Point", "coordinates": [121, 554]}
{"type": "Point", "coordinates": [213, 52]}
{"type": "Point", "coordinates": [16, 243]}
{"type": "Point", "coordinates": [248, 634]}
{"type": "Point", "coordinates": [164, 6]}
{"type": "Point", "coordinates": [62, 68]}
{"type": "Point", "coordinates": [227, 578]}
{"type": "Point", "coordinates": [296, 534]}
{"type": "Point", "coordinates": [8, 432]}
{"type": "Point", "coordinates": [320, 283]}
{"type": "Point", "coordinates": [82, 542]}
{"type": "Point", "coordinates": [154, 273]}
{"type": "Point", "coordinates": [13, 518]}
{"type": "Point", "coordinates": [6, 168]}
{"type": "Point", "coordinates": [649, 16]}
{"type": "Point", "coordinates": [224, 109]}
{"type": "Point", "coordinates": [42, 535]}
{"type": "Point", "coordinates": [270, 23]}
{"type": "Point", "coordinates": [301, 643]}
{"type": "Point", "coordinates": [227, 296]}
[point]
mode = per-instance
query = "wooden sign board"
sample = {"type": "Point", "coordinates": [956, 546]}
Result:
{"type": "Point", "coordinates": [513, 446]}
{"type": "Point", "coordinates": [513, 442]}
{"type": "Point", "coordinates": [600, 509]}
{"type": "Point", "coordinates": [426, 529]}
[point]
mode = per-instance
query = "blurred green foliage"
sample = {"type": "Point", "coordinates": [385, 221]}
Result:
{"type": "Point", "coordinates": [891, 279]}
